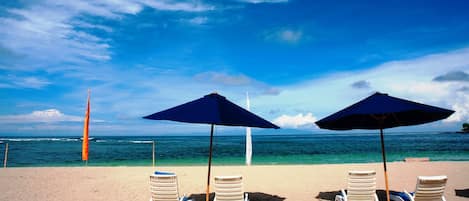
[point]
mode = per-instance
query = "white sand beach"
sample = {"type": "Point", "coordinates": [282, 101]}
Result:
{"type": "Point", "coordinates": [275, 182]}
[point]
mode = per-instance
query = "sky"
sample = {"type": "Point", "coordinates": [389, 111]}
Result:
{"type": "Point", "coordinates": [299, 60]}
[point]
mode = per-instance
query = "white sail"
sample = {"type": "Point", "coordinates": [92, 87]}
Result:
{"type": "Point", "coordinates": [248, 136]}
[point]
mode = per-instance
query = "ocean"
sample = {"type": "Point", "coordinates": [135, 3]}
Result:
{"type": "Point", "coordinates": [230, 150]}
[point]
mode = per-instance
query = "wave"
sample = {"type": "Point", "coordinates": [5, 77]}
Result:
{"type": "Point", "coordinates": [89, 139]}
{"type": "Point", "coordinates": [39, 139]}
{"type": "Point", "coordinates": [125, 141]}
{"type": "Point", "coordinates": [141, 141]}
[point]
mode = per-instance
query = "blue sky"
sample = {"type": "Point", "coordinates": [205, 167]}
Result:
{"type": "Point", "coordinates": [299, 60]}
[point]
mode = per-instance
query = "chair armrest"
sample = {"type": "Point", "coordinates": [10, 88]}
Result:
{"type": "Point", "coordinates": [409, 195]}
{"type": "Point", "coordinates": [183, 198]}
{"type": "Point", "coordinates": [246, 197]}
{"type": "Point", "coordinates": [443, 198]}
{"type": "Point", "coordinates": [395, 197]}
{"type": "Point", "coordinates": [344, 195]}
{"type": "Point", "coordinates": [376, 197]}
{"type": "Point", "coordinates": [338, 198]}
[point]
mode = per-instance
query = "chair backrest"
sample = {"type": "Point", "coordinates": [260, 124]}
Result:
{"type": "Point", "coordinates": [430, 188]}
{"type": "Point", "coordinates": [164, 188]}
{"type": "Point", "coordinates": [361, 185]}
{"type": "Point", "coordinates": [229, 188]}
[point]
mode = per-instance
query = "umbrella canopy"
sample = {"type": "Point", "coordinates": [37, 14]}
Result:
{"type": "Point", "coordinates": [380, 111]}
{"type": "Point", "coordinates": [212, 109]}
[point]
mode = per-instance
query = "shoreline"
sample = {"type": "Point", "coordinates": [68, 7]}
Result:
{"type": "Point", "coordinates": [289, 182]}
{"type": "Point", "coordinates": [233, 165]}
{"type": "Point", "coordinates": [237, 164]}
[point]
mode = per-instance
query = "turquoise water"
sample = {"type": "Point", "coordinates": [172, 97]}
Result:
{"type": "Point", "coordinates": [229, 150]}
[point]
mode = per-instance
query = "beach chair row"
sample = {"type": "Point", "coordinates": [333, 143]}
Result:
{"type": "Point", "coordinates": [361, 187]}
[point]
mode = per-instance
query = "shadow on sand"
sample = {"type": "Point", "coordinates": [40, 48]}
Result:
{"type": "Point", "coordinates": [462, 192]}
{"type": "Point", "coordinates": [330, 195]}
{"type": "Point", "coordinates": [253, 196]}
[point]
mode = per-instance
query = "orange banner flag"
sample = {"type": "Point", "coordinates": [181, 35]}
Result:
{"type": "Point", "coordinates": [84, 153]}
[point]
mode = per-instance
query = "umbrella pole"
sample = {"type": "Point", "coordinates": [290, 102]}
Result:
{"type": "Point", "coordinates": [209, 165]}
{"type": "Point", "coordinates": [384, 163]}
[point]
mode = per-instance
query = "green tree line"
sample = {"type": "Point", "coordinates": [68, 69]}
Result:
{"type": "Point", "coordinates": [465, 127]}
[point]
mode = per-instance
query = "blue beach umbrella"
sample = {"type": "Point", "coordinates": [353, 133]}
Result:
{"type": "Point", "coordinates": [380, 111]}
{"type": "Point", "coordinates": [212, 109]}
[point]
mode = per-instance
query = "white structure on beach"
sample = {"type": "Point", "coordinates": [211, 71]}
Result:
{"type": "Point", "coordinates": [248, 136]}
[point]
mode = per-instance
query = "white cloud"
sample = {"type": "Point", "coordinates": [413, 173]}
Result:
{"type": "Point", "coordinates": [56, 31]}
{"type": "Point", "coordinates": [87, 25]}
{"type": "Point", "coordinates": [461, 108]}
{"type": "Point", "coordinates": [286, 35]}
{"type": "Point", "coordinates": [291, 35]}
{"type": "Point", "coordinates": [296, 121]}
{"type": "Point", "coordinates": [223, 78]}
{"type": "Point", "coordinates": [410, 79]}
{"type": "Point", "coordinates": [45, 33]}
{"type": "Point", "coordinates": [31, 82]}
{"type": "Point", "coordinates": [50, 115]}
{"type": "Point", "coordinates": [198, 20]}
{"type": "Point", "coordinates": [42, 116]}
{"type": "Point", "coordinates": [362, 84]}
{"type": "Point", "coordinates": [107, 9]}
{"type": "Point", "coordinates": [240, 80]}
{"type": "Point", "coordinates": [264, 1]}
{"type": "Point", "coordinates": [190, 6]}
{"type": "Point", "coordinates": [453, 76]}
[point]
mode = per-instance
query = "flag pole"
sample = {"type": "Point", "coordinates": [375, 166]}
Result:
{"type": "Point", "coordinates": [85, 143]}
{"type": "Point", "coordinates": [153, 151]}
{"type": "Point", "coordinates": [384, 165]}
{"type": "Point", "coordinates": [248, 136]}
{"type": "Point", "coordinates": [6, 156]}
{"type": "Point", "coordinates": [209, 164]}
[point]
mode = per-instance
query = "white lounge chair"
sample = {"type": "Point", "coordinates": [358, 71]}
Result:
{"type": "Point", "coordinates": [429, 188]}
{"type": "Point", "coordinates": [164, 187]}
{"type": "Point", "coordinates": [229, 188]}
{"type": "Point", "coordinates": [361, 186]}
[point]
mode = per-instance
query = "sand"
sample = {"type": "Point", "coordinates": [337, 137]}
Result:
{"type": "Point", "coordinates": [275, 182]}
